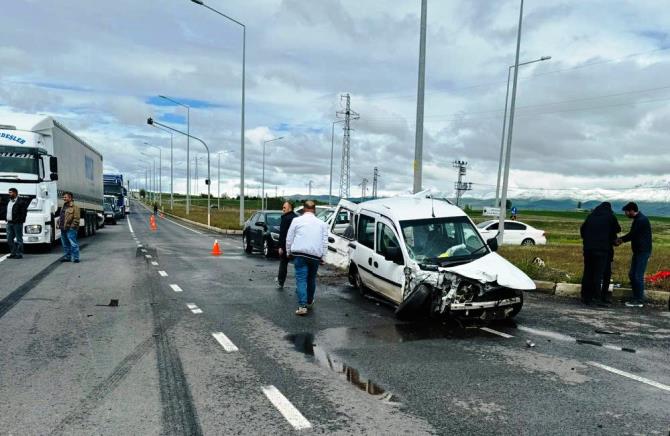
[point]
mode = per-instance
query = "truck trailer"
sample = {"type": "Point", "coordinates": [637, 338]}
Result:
{"type": "Point", "coordinates": [113, 185]}
{"type": "Point", "coordinates": [42, 159]}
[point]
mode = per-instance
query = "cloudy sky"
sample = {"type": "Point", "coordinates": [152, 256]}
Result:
{"type": "Point", "coordinates": [595, 115]}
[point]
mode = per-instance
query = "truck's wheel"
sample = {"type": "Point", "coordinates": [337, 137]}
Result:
{"type": "Point", "coordinates": [414, 306]}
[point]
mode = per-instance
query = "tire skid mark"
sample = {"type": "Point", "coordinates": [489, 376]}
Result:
{"type": "Point", "coordinates": [7, 303]}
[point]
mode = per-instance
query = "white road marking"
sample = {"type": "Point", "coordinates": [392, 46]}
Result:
{"type": "Point", "coordinates": [181, 225]}
{"type": "Point", "coordinates": [162, 273]}
{"type": "Point", "coordinates": [288, 410]}
{"type": "Point", "coordinates": [631, 376]}
{"type": "Point", "coordinates": [547, 334]}
{"type": "Point", "coordinates": [139, 245]}
{"type": "Point", "coordinates": [143, 250]}
{"type": "Point", "coordinates": [4, 257]}
{"type": "Point", "coordinates": [148, 256]}
{"type": "Point", "coordinates": [176, 288]}
{"type": "Point", "coordinates": [195, 309]}
{"type": "Point", "coordinates": [154, 263]}
{"type": "Point", "coordinates": [130, 227]}
{"type": "Point", "coordinates": [496, 332]}
{"type": "Point", "coordinates": [226, 343]}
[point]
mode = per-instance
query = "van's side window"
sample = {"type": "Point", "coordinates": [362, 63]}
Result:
{"type": "Point", "coordinates": [385, 239]}
{"type": "Point", "coordinates": [366, 231]}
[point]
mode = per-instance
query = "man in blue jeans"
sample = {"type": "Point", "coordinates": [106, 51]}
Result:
{"type": "Point", "coordinates": [640, 242]}
{"type": "Point", "coordinates": [306, 242]}
{"type": "Point", "coordinates": [68, 223]}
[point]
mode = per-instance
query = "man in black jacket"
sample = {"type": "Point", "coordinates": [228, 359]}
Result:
{"type": "Point", "coordinates": [640, 242]}
{"type": "Point", "coordinates": [286, 220]}
{"type": "Point", "coordinates": [14, 211]}
{"type": "Point", "coordinates": [599, 233]}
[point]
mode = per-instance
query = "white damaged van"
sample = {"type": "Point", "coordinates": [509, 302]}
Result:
{"type": "Point", "coordinates": [426, 256]}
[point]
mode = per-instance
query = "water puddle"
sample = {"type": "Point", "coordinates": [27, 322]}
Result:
{"type": "Point", "coordinates": [304, 343]}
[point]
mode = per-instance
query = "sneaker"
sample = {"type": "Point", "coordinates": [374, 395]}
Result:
{"type": "Point", "coordinates": [279, 286]}
{"type": "Point", "coordinates": [310, 305]}
{"type": "Point", "coordinates": [65, 259]}
{"type": "Point", "coordinates": [634, 303]}
{"type": "Point", "coordinates": [18, 256]}
{"type": "Point", "coordinates": [76, 261]}
{"type": "Point", "coordinates": [302, 311]}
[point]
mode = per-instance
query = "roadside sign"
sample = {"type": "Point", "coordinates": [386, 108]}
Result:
{"type": "Point", "coordinates": [491, 211]}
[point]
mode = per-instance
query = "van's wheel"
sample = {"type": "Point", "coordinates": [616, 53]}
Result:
{"type": "Point", "coordinates": [414, 305]}
{"type": "Point", "coordinates": [356, 281]}
{"type": "Point", "coordinates": [516, 308]}
{"type": "Point", "coordinates": [246, 244]}
{"type": "Point", "coordinates": [527, 241]}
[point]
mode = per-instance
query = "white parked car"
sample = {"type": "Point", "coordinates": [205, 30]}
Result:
{"type": "Point", "coordinates": [516, 232]}
{"type": "Point", "coordinates": [427, 257]}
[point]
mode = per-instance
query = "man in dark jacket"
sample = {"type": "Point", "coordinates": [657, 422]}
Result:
{"type": "Point", "coordinates": [640, 242]}
{"type": "Point", "coordinates": [286, 220]}
{"type": "Point", "coordinates": [14, 211]}
{"type": "Point", "coordinates": [599, 232]}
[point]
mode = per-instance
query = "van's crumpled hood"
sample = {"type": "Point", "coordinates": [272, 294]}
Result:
{"type": "Point", "coordinates": [494, 268]}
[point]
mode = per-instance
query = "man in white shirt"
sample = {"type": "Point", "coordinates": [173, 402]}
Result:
{"type": "Point", "coordinates": [306, 242]}
{"type": "Point", "coordinates": [14, 211]}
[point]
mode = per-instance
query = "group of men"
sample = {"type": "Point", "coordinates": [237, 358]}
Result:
{"type": "Point", "coordinates": [14, 210]}
{"type": "Point", "coordinates": [599, 234]}
{"type": "Point", "coordinates": [304, 240]}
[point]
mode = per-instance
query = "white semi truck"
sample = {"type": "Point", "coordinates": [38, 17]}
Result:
{"type": "Point", "coordinates": [41, 158]}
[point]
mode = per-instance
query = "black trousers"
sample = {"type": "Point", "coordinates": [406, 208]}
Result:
{"type": "Point", "coordinates": [283, 268]}
{"type": "Point", "coordinates": [595, 263]}
{"type": "Point", "coordinates": [605, 293]}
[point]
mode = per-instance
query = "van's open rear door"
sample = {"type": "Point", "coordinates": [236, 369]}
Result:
{"type": "Point", "coordinates": [340, 233]}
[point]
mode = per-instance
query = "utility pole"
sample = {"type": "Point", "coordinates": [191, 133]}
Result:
{"type": "Point", "coordinates": [375, 180]}
{"type": "Point", "coordinates": [345, 174]}
{"type": "Point", "coordinates": [364, 187]}
{"type": "Point", "coordinates": [460, 185]}
{"type": "Point", "coordinates": [418, 142]}
{"type": "Point", "coordinates": [309, 186]}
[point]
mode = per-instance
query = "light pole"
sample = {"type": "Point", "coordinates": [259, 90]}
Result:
{"type": "Point", "coordinates": [188, 149]}
{"type": "Point", "coordinates": [263, 183]}
{"type": "Point", "coordinates": [160, 173]}
{"type": "Point", "coordinates": [502, 139]}
{"type": "Point", "coordinates": [171, 168]}
{"type": "Point", "coordinates": [152, 178]}
{"type": "Point", "coordinates": [151, 122]}
{"type": "Point", "coordinates": [503, 200]}
{"type": "Point", "coordinates": [332, 147]}
{"type": "Point", "coordinates": [244, 61]}
{"type": "Point", "coordinates": [218, 193]}
{"type": "Point", "coordinates": [418, 142]}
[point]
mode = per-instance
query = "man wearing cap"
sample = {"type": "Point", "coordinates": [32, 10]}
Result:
{"type": "Point", "coordinates": [640, 242]}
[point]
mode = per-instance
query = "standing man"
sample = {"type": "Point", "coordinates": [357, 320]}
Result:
{"type": "Point", "coordinates": [14, 211]}
{"type": "Point", "coordinates": [307, 242]}
{"type": "Point", "coordinates": [286, 220]}
{"type": "Point", "coordinates": [640, 242]}
{"type": "Point", "coordinates": [68, 223]}
{"type": "Point", "coordinates": [598, 232]}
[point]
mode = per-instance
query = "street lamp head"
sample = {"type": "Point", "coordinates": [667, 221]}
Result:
{"type": "Point", "coordinates": [545, 58]}
{"type": "Point", "coordinates": [199, 2]}
{"type": "Point", "coordinates": [150, 121]}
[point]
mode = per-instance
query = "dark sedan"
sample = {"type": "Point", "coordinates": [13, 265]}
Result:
{"type": "Point", "coordinates": [261, 232]}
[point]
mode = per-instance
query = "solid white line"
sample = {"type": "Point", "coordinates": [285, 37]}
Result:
{"type": "Point", "coordinates": [496, 332]}
{"type": "Point", "coordinates": [226, 343]}
{"type": "Point", "coordinates": [631, 376]}
{"type": "Point", "coordinates": [162, 273]}
{"type": "Point", "coordinates": [4, 257]}
{"type": "Point", "coordinates": [196, 311]}
{"type": "Point", "coordinates": [148, 256]}
{"type": "Point", "coordinates": [154, 263]}
{"type": "Point", "coordinates": [181, 225]}
{"type": "Point", "coordinates": [130, 227]}
{"type": "Point", "coordinates": [288, 410]}
{"type": "Point", "coordinates": [176, 288]}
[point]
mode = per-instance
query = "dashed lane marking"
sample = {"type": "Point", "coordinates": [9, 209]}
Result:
{"type": "Point", "coordinates": [154, 263]}
{"type": "Point", "coordinates": [130, 227]}
{"type": "Point", "coordinates": [226, 343]}
{"type": "Point", "coordinates": [193, 308]}
{"type": "Point", "coordinates": [162, 273]}
{"type": "Point", "coordinates": [176, 288]}
{"type": "Point", "coordinates": [148, 256]}
{"type": "Point", "coordinates": [496, 332]}
{"type": "Point", "coordinates": [180, 225]}
{"type": "Point", "coordinates": [631, 376]}
{"type": "Point", "coordinates": [288, 410]}
{"type": "Point", "coordinates": [143, 250]}
{"type": "Point", "coordinates": [4, 257]}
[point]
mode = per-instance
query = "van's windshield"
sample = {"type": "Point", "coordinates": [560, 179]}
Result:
{"type": "Point", "coordinates": [438, 240]}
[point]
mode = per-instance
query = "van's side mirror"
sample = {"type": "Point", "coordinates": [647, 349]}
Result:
{"type": "Point", "coordinates": [53, 165]}
{"type": "Point", "coordinates": [394, 254]}
{"type": "Point", "coordinates": [53, 177]}
{"type": "Point", "coordinates": [260, 223]}
{"type": "Point", "coordinates": [493, 244]}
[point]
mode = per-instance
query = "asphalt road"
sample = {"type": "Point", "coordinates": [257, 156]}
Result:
{"type": "Point", "coordinates": [206, 345]}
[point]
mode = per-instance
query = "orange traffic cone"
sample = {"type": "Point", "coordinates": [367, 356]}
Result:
{"type": "Point", "coordinates": [216, 250]}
